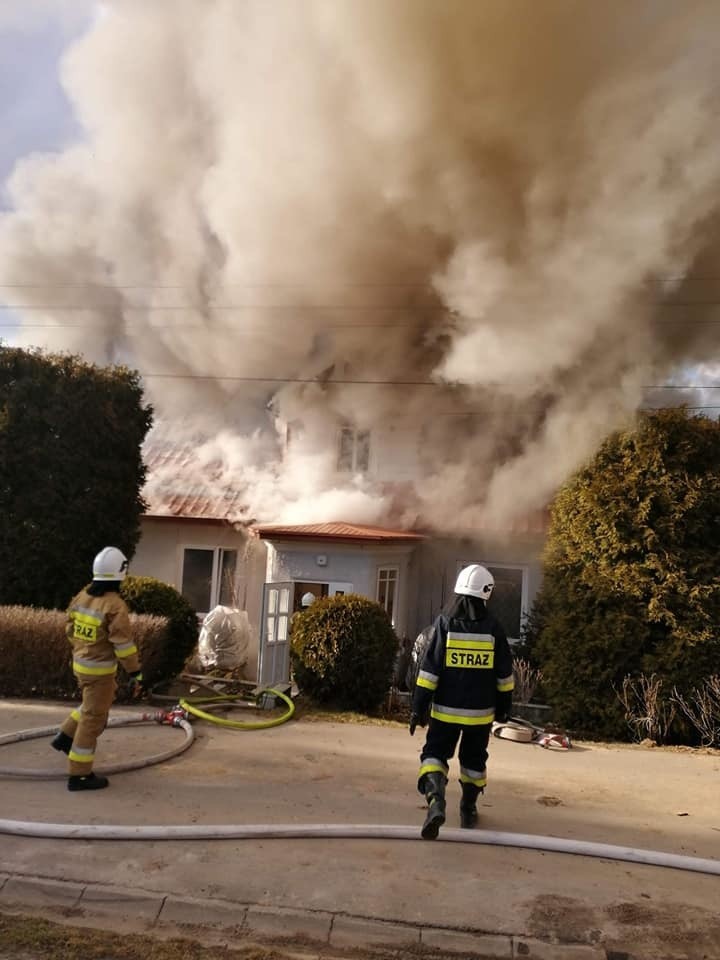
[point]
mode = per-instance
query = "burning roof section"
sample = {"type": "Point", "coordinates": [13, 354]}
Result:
{"type": "Point", "coordinates": [173, 490]}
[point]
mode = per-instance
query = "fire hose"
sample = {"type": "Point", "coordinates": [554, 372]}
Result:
{"type": "Point", "coordinates": [174, 718]}
{"type": "Point", "coordinates": [177, 717]}
{"type": "Point", "coordinates": [193, 706]}
{"type": "Point", "coordinates": [522, 731]}
{"type": "Point", "coordinates": [337, 831]}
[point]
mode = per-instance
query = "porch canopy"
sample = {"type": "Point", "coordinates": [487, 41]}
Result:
{"type": "Point", "coordinates": [337, 531]}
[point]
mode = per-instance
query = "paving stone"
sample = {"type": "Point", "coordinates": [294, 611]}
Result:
{"type": "Point", "coordinates": [33, 891]}
{"type": "Point", "coordinates": [468, 944]}
{"type": "Point", "coordinates": [121, 903]}
{"type": "Point", "coordinates": [355, 932]}
{"type": "Point", "coordinates": [203, 913]}
{"type": "Point", "coordinates": [527, 947]}
{"type": "Point", "coordinates": [289, 923]}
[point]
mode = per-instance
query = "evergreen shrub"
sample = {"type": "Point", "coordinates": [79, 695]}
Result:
{"type": "Point", "coordinates": [343, 649]}
{"type": "Point", "coordinates": [631, 583]}
{"type": "Point", "coordinates": [71, 471]}
{"type": "Point", "coordinates": [164, 660]}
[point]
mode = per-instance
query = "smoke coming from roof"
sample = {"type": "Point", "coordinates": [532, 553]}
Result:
{"type": "Point", "coordinates": [466, 227]}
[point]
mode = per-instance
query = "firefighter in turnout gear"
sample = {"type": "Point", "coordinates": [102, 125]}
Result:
{"type": "Point", "coordinates": [465, 682]}
{"type": "Point", "coordinates": [98, 627]}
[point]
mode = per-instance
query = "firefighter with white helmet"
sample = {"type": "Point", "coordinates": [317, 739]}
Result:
{"type": "Point", "coordinates": [307, 599]}
{"type": "Point", "coordinates": [98, 627]}
{"type": "Point", "coordinates": [465, 682]}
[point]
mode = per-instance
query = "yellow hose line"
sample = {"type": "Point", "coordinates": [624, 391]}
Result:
{"type": "Point", "coordinates": [191, 707]}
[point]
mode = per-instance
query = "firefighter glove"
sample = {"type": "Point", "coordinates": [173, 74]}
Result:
{"type": "Point", "coordinates": [417, 720]}
{"type": "Point", "coordinates": [503, 707]}
{"type": "Point", "coordinates": [136, 684]}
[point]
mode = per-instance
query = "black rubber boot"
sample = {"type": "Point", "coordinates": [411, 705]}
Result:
{"type": "Point", "coordinates": [90, 782]}
{"type": "Point", "coordinates": [468, 810]}
{"type": "Point", "coordinates": [62, 742]}
{"type": "Point", "coordinates": [434, 790]}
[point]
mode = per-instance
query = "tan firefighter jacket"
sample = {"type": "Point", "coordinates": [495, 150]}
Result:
{"type": "Point", "coordinates": [99, 630]}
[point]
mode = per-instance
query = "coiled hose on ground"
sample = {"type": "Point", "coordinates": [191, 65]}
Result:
{"type": "Point", "coordinates": [193, 705]}
{"type": "Point", "coordinates": [52, 774]}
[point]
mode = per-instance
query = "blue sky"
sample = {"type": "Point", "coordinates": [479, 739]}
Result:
{"type": "Point", "coordinates": [35, 113]}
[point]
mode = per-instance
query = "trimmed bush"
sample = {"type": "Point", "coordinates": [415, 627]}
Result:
{"type": "Point", "coordinates": [343, 649]}
{"type": "Point", "coordinates": [36, 655]}
{"type": "Point", "coordinates": [146, 595]}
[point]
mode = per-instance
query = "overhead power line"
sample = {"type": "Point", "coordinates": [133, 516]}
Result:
{"type": "Point", "coordinates": [209, 306]}
{"type": "Point", "coordinates": [680, 279]}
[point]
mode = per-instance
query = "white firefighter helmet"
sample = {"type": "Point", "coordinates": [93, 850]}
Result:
{"type": "Point", "coordinates": [475, 581]}
{"type": "Point", "coordinates": [110, 564]}
{"type": "Point", "coordinates": [307, 599]}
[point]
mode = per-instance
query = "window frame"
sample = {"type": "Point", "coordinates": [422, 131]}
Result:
{"type": "Point", "coordinates": [216, 586]}
{"type": "Point", "coordinates": [359, 437]}
{"type": "Point", "coordinates": [394, 568]}
{"type": "Point", "coordinates": [524, 588]}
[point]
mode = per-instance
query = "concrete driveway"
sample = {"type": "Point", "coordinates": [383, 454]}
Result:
{"type": "Point", "coordinates": [469, 898]}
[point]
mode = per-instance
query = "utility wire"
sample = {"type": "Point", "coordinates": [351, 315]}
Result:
{"type": "Point", "coordinates": [175, 307]}
{"type": "Point", "coordinates": [275, 285]}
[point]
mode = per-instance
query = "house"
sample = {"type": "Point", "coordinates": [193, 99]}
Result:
{"type": "Point", "coordinates": [199, 538]}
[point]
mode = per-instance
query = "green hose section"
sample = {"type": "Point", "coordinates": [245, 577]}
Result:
{"type": "Point", "coordinates": [191, 707]}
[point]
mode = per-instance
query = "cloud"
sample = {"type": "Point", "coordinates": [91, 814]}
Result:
{"type": "Point", "coordinates": [481, 196]}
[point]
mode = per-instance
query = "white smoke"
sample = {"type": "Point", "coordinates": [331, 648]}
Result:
{"type": "Point", "coordinates": [468, 202]}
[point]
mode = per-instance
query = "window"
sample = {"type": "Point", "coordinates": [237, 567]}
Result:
{"type": "Point", "coordinates": [353, 450]}
{"type": "Point", "coordinates": [208, 577]}
{"type": "Point", "coordinates": [278, 613]}
{"type": "Point", "coordinates": [387, 582]}
{"type": "Point", "coordinates": [509, 597]}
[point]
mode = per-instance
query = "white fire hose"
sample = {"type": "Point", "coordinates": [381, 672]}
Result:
{"type": "Point", "coordinates": [522, 731]}
{"type": "Point", "coordinates": [330, 831]}
{"type": "Point", "coordinates": [339, 831]}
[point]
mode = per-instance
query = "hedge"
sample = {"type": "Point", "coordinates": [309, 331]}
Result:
{"type": "Point", "coordinates": [36, 655]}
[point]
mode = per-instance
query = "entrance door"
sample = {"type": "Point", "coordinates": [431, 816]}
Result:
{"type": "Point", "coordinates": [274, 642]}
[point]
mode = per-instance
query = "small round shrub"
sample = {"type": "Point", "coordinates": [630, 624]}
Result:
{"type": "Point", "coordinates": [150, 596]}
{"type": "Point", "coordinates": [343, 649]}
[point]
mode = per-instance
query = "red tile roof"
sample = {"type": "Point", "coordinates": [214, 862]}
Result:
{"type": "Point", "coordinates": [173, 489]}
{"type": "Point", "coordinates": [334, 531]}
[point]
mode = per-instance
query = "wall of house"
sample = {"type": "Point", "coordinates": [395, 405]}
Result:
{"type": "Point", "coordinates": [393, 455]}
{"type": "Point", "coordinates": [437, 563]}
{"type": "Point", "coordinates": [160, 551]}
{"type": "Point", "coordinates": [357, 564]}
{"type": "Point", "coordinates": [160, 554]}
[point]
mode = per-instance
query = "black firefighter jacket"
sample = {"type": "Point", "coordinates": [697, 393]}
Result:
{"type": "Point", "coordinates": [467, 672]}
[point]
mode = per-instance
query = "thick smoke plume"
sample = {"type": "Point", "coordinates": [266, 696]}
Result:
{"type": "Point", "coordinates": [483, 214]}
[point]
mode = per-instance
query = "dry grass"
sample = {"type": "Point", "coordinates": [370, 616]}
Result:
{"type": "Point", "coordinates": [311, 712]}
{"type": "Point", "coordinates": [35, 652]}
{"type": "Point", "coordinates": [30, 938]}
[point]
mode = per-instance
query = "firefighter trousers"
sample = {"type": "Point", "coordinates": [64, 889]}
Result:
{"type": "Point", "coordinates": [440, 746]}
{"type": "Point", "coordinates": [86, 724]}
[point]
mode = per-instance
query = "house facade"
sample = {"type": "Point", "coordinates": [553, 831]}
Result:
{"type": "Point", "coordinates": [205, 547]}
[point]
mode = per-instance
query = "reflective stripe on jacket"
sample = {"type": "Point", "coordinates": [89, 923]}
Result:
{"type": "Point", "coordinates": [466, 665]}
{"type": "Point", "coordinates": [99, 630]}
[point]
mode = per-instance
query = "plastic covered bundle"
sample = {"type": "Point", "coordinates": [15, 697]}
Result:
{"type": "Point", "coordinates": [224, 638]}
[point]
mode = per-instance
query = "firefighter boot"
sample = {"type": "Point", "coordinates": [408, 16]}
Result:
{"type": "Point", "coordinates": [89, 782]}
{"type": "Point", "coordinates": [468, 810]}
{"type": "Point", "coordinates": [62, 742]}
{"type": "Point", "coordinates": [434, 790]}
